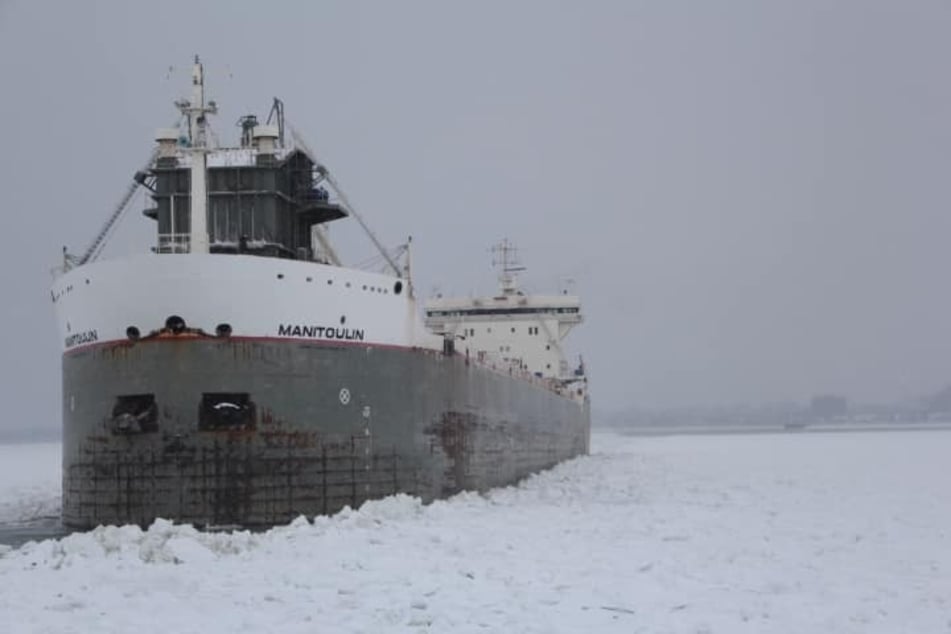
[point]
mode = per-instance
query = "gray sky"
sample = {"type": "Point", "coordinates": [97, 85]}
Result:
{"type": "Point", "coordinates": [751, 196]}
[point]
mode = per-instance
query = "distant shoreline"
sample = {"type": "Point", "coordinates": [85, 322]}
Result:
{"type": "Point", "coordinates": [21, 437]}
{"type": "Point", "coordinates": [821, 428]}
{"type": "Point", "coordinates": [25, 437]}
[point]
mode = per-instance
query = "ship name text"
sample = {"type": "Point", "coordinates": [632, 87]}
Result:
{"type": "Point", "coordinates": [320, 332]}
{"type": "Point", "coordinates": [89, 336]}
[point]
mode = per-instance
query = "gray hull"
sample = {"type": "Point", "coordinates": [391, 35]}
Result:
{"type": "Point", "coordinates": [324, 427]}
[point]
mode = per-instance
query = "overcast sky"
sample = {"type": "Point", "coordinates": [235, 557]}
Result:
{"type": "Point", "coordinates": [752, 197]}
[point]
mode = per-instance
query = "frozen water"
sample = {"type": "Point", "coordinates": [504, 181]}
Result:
{"type": "Point", "coordinates": [761, 533]}
{"type": "Point", "coordinates": [29, 482]}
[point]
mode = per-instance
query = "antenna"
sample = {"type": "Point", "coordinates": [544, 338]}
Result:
{"type": "Point", "coordinates": [568, 285]}
{"type": "Point", "coordinates": [505, 257]}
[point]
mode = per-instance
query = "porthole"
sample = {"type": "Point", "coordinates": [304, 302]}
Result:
{"type": "Point", "coordinates": [310, 279]}
{"type": "Point", "coordinates": [132, 333]}
{"type": "Point", "coordinates": [398, 287]}
{"type": "Point", "coordinates": [343, 319]}
{"type": "Point", "coordinates": [223, 330]}
{"type": "Point", "coordinates": [280, 276]}
{"type": "Point", "coordinates": [364, 287]}
{"type": "Point", "coordinates": [87, 280]}
{"type": "Point", "coordinates": [347, 284]}
{"type": "Point", "coordinates": [330, 282]}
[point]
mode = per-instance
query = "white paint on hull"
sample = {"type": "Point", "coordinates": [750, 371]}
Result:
{"type": "Point", "coordinates": [256, 296]}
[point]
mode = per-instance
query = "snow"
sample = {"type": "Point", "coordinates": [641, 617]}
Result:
{"type": "Point", "coordinates": [797, 532]}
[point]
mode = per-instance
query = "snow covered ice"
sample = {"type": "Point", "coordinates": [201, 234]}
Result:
{"type": "Point", "coordinates": [823, 532]}
{"type": "Point", "coordinates": [29, 482]}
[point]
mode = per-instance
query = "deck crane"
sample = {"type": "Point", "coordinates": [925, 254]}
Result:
{"type": "Point", "coordinates": [99, 242]}
{"type": "Point", "coordinates": [345, 202]}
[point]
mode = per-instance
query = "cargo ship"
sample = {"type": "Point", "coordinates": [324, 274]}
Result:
{"type": "Point", "coordinates": [237, 373]}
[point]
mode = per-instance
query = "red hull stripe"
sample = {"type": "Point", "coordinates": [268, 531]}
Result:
{"type": "Point", "coordinates": [321, 343]}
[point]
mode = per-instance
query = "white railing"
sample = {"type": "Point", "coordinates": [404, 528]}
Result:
{"type": "Point", "coordinates": [173, 243]}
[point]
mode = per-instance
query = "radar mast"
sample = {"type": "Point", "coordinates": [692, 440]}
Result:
{"type": "Point", "coordinates": [505, 257]}
{"type": "Point", "coordinates": [196, 113]}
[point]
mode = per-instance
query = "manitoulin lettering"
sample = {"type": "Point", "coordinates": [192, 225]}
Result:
{"type": "Point", "coordinates": [320, 332]}
{"type": "Point", "coordinates": [89, 336]}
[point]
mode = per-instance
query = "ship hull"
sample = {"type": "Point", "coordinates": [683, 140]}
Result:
{"type": "Point", "coordinates": [322, 426]}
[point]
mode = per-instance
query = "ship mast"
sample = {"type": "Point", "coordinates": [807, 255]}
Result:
{"type": "Point", "coordinates": [508, 264]}
{"type": "Point", "coordinates": [196, 112]}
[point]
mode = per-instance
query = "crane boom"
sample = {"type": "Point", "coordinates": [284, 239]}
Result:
{"type": "Point", "coordinates": [95, 248]}
{"type": "Point", "coordinates": [322, 169]}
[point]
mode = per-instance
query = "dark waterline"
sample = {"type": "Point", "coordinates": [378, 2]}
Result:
{"type": "Point", "coordinates": [18, 533]}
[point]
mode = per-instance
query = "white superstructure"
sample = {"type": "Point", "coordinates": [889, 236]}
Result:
{"type": "Point", "coordinates": [512, 330]}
